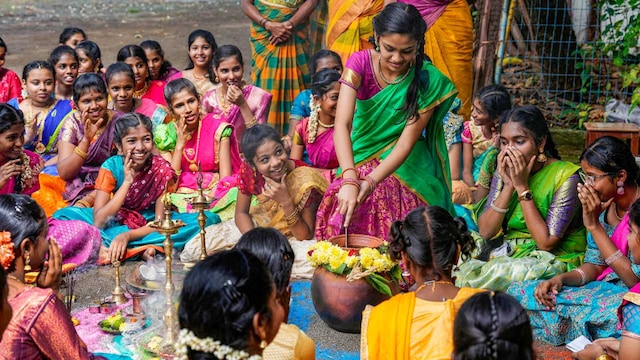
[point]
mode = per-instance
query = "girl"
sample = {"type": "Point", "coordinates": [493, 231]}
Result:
{"type": "Point", "coordinates": [492, 325]}
{"type": "Point", "coordinates": [86, 139]}
{"type": "Point", "coordinates": [44, 113]}
{"type": "Point", "coordinates": [38, 310]}
{"type": "Point", "coordinates": [9, 81]}
{"type": "Point", "coordinates": [135, 57]}
{"type": "Point", "coordinates": [129, 190]}
{"type": "Point", "coordinates": [19, 173]}
{"type": "Point", "coordinates": [89, 57]}
{"type": "Point", "coordinates": [583, 301]}
{"type": "Point", "coordinates": [419, 324]}
{"type": "Point", "coordinates": [529, 225]}
{"type": "Point", "coordinates": [315, 133]}
{"type": "Point", "coordinates": [65, 62]}
{"type": "Point", "coordinates": [233, 101]}
{"type": "Point", "coordinates": [198, 144]}
{"type": "Point", "coordinates": [301, 107]}
{"type": "Point", "coordinates": [288, 194]}
{"type": "Point", "coordinates": [228, 300]}
{"type": "Point", "coordinates": [479, 137]}
{"type": "Point", "coordinates": [72, 36]}
{"type": "Point", "coordinates": [121, 84]}
{"type": "Point", "coordinates": [397, 169]}
{"type": "Point", "coordinates": [159, 68]}
{"type": "Point", "coordinates": [201, 47]}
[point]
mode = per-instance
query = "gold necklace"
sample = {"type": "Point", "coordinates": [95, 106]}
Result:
{"type": "Point", "coordinates": [326, 126]}
{"type": "Point", "coordinates": [193, 167]}
{"type": "Point", "coordinates": [15, 278]}
{"type": "Point", "coordinates": [225, 108]}
{"type": "Point", "coordinates": [141, 92]}
{"type": "Point", "coordinates": [39, 146]}
{"type": "Point", "coordinates": [397, 80]}
{"type": "Point", "coordinates": [433, 284]}
{"type": "Point", "coordinates": [205, 76]}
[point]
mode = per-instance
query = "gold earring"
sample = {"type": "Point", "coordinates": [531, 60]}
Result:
{"type": "Point", "coordinates": [217, 79]}
{"type": "Point", "coordinates": [541, 156]}
{"type": "Point", "coordinates": [263, 344]}
{"type": "Point", "coordinates": [27, 263]}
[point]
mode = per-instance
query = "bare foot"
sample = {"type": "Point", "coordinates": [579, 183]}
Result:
{"type": "Point", "coordinates": [148, 254]}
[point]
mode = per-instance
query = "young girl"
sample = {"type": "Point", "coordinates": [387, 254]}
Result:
{"type": "Point", "coordinates": [201, 47]}
{"type": "Point", "coordinates": [159, 68]}
{"type": "Point", "coordinates": [228, 301]}
{"type": "Point", "coordinates": [43, 113]}
{"type": "Point", "coordinates": [392, 152]}
{"type": "Point", "coordinates": [315, 133]}
{"type": "Point", "coordinates": [86, 139]}
{"type": "Point", "coordinates": [9, 81]}
{"type": "Point", "coordinates": [288, 194]}
{"type": "Point", "coordinates": [121, 82]}
{"type": "Point", "coordinates": [301, 107]}
{"type": "Point", "coordinates": [65, 62]}
{"type": "Point", "coordinates": [71, 36]}
{"type": "Point", "coordinates": [235, 102]}
{"type": "Point", "coordinates": [419, 324]}
{"type": "Point", "coordinates": [198, 143]}
{"type": "Point", "coordinates": [135, 57]}
{"type": "Point", "coordinates": [492, 325]}
{"type": "Point", "coordinates": [89, 57]}
{"type": "Point", "coordinates": [129, 190]}
{"type": "Point", "coordinates": [478, 138]}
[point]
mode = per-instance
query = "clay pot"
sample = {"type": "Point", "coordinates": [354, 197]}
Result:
{"type": "Point", "coordinates": [339, 302]}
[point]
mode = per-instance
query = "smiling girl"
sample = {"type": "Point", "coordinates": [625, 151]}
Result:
{"type": "Point", "coordinates": [43, 114]}
{"type": "Point", "coordinates": [235, 102]}
{"type": "Point", "coordinates": [65, 62]}
{"type": "Point", "coordinates": [128, 195]}
{"type": "Point", "coordinates": [201, 47]}
{"type": "Point", "coordinates": [86, 139]}
{"type": "Point", "coordinates": [288, 193]}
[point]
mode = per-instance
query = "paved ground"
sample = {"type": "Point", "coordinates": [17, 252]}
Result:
{"type": "Point", "coordinates": [31, 30]}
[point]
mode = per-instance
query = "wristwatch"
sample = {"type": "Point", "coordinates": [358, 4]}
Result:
{"type": "Point", "coordinates": [526, 196]}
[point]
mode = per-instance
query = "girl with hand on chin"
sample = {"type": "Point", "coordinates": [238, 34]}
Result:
{"type": "Point", "coordinates": [387, 168]}
{"type": "Point", "coordinates": [129, 192]}
{"type": "Point", "coordinates": [235, 102]}
{"type": "Point", "coordinates": [287, 196]}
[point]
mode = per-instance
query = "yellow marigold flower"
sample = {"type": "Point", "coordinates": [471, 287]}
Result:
{"type": "Point", "coordinates": [351, 261]}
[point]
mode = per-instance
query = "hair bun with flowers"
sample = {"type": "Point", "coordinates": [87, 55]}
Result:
{"type": "Point", "coordinates": [7, 253]}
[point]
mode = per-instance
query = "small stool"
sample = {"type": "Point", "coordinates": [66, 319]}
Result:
{"type": "Point", "coordinates": [620, 130]}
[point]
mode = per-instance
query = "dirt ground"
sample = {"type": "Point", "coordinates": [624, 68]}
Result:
{"type": "Point", "coordinates": [31, 28]}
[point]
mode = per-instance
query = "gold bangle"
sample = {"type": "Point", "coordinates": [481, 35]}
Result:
{"type": "Point", "coordinates": [294, 217]}
{"type": "Point", "coordinates": [605, 357]}
{"type": "Point", "coordinates": [80, 153]}
{"type": "Point", "coordinates": [348, 169]}
{"type": "Point", "coordinates": [83, 202]}
{"type": "Point", "coordinates": [251, 123]}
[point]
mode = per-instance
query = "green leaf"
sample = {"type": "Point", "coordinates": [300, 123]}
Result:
{"type": "Point", "coordinates": [379, 283]}
{"type": "Point", "coordinates": [617, 61]}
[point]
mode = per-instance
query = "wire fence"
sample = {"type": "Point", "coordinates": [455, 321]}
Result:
{"type": "Point", "coordinates": [552, 55]}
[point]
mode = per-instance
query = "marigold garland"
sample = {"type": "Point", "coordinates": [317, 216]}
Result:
{"type": "Point", "coordinates": [7, 254]}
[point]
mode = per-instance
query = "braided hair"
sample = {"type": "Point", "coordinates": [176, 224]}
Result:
{"type": "Point", "coordinates": [430, 237]}
{"type": "Point", "coordinates": [405, 19]}
{"type": "Point", "coordinates": [491, 326]}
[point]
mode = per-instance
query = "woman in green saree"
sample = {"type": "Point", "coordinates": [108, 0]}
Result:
{"type": "Point", "coordinates": [387, 166]}
{"type": "Point", "coordinates": [528, 228]}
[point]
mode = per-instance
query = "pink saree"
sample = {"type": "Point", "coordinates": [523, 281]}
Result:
{"type": "Point", "coordinates": [27, 183]}
{"type": "Point", "coordinates": [619, 239]}
{"type": "Point", "coordinates": [257, 99]}
{"type": "Point", "coordinates": [322, 153]}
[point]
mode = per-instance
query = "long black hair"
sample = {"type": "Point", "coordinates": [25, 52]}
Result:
{"type": "Point", "coordinates": [21, 216]}
{"type": "Point", "coordinates": [533, 123]}
{"type": "Point", "coordinates": [491, 326]}
{"type": "Point", "coordinates": [208, 37]}
{"type": "Point", "coordinates": [254, 137]}
{"type": "Point", "coordinates": [405, 19]}
{"type": "Point", "coordinates": [495, 99]}
{"type": "Point", "coordinates": [611, 155]}
{"type": "Point", "coordinates": [68, 32]}
{"type": "Point", "coordinates": [225, 52]}
{"type": "Point", "coordinates": [430, 237]}
{"type": "Point", "coordinates": [155, 46]}
{"type": "Point", "coordinates": [220, 297]}
{"type": "Point", "coordinates": [92, 50]}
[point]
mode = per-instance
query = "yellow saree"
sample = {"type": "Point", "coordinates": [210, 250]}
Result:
{"type": "Point", "coordinates": [350, 25]}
